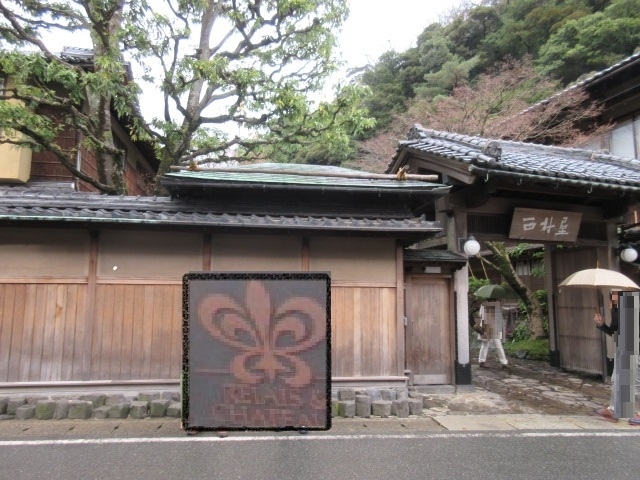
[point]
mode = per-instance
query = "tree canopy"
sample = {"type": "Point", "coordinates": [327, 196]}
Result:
{"type": "Point", "coordinates": [565, 39]}
{"type": "Point", "coordinates": [235, 79]}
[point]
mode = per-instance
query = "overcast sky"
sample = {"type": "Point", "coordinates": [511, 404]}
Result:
{"type": "Point", "coordinates": [373, 27]}
{"type": "Point", "coordinates": [376, 26]}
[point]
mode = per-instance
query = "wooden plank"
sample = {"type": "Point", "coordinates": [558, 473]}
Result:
{"type": "Point", "coordinates": [368, 332]}
{"type": "Point", "coordinates": [116, 334]}
{"type": "Point", "coordinates": [27, 332]}
{"type": "Point", "coordinates": [358, 284]}
{"type": "Point", "coordinates": [388, 329]}
{"type": "Point", "coordinates": [16, 334]}
{"type": "Point", "coordinates": [106, 322]}
{"type": "Point", "coordinates": [147, 331]}
{"type": "Point", "coordinates": [69, 333]}
{"type": "Point", "coordinates": [128, 320]}
{"type": "Point", "coordinates": [79, 336]}
{"type": "Point", "coordinates": [154, 339]}
{"type": "Point", "coordinates": [47, 327]}
{"type": "Point", "coordinates": [356, 328]}
{"type": "Point", "coordinates": [398, 335]}
{"type": "Point", "coordinates": [163, 332]}
{"type": "Point", "coordinates": [7, 297]}
{"type": "Point", "coordinates": [59, 319]}
{"type": "Point", "coordinates": [138, 281]}
{"type": "Point", "coordinates": [138, 337]}
{"type": "Point", "coordinates": [176, 335]}
{"type": "Point", "coordinates": [44, 279]}
{"type": "Point", "coordinates": [90, 308]}
{"type": "Point", "coordinates": [343, 345]}
{"type": "Point", "coordinates": [96, 332]}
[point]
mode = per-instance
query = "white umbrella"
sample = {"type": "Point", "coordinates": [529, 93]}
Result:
{"type": "Point", "coordinates": [599, 278]}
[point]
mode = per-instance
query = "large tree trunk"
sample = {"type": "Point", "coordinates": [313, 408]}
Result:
{"type": "Point", "coordinates": [502, 263]}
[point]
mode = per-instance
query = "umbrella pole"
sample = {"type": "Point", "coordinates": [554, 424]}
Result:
{"type": "Point", "coordinates": [601, 302]}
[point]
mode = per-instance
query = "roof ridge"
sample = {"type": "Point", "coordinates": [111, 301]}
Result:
{"type": "Point", "coordinates": [479, 142]}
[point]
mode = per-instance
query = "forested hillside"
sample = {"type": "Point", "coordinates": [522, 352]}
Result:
{"type": "Point", "coordinates": [489, 60]}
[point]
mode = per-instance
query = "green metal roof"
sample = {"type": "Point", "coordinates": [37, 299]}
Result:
{"type": "Point", "coordinates": [296, 176]}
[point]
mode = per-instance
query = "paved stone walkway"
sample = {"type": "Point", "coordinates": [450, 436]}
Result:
{"type": "Point", "coordinates": [527, 387]}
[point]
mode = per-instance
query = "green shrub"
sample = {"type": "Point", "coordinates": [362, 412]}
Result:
{"type": "Point", "coordinates": [520, 331]}
{"type": "Point", "coordinates": [535, 349]}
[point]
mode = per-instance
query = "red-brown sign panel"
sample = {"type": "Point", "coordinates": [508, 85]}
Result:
{"type": "Point", "coordinates": [256, 351]}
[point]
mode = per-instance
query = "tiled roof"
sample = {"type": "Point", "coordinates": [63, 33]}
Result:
{"type": "Point", "coordinates": [298, 176]}
{"type": "Point", "coordinates": [590, 83]}
{"type": "Point", "coordinates": [607, 71]}
{"type": "Point", "coordinates": [525, 162]}
{"type": "Point", "coordinates": [432, 255]}
{"type": "Point", "coordinates": [27, 204]}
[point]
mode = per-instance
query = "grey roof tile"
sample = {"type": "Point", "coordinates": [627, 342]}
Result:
{"type": "Point", "coordinates": [432, 255]}
{"type": "Point", "coordinates": [33, 205]}
{"type": "Point", "coordinates": [529, 161]}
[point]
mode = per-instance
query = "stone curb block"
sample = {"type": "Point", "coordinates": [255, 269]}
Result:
{"type": "Point", "coordinates": [45, 409]}
{"type": "Point", "coordinates": [25, 412]}
{"type": "Point", "coordinates": [346, 402]}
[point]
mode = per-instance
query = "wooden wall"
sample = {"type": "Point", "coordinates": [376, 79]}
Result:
{"type": "Point", "coordinates": [579, 341]}
{"type": "Point", "coordinates": [363, 336]}
{"type": "Point", "coordinates": [132, 333]}
{"type": "Point", "coordinates": [112, 310]}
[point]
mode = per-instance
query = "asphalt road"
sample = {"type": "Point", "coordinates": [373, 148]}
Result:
{"type": "Point", "coordinates": [520, 455]}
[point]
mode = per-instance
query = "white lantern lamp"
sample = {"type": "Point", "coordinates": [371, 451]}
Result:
{"type": "Point", "coordinates": [471, 246]}
{"type": "Point", "coordinates": [629, 254]}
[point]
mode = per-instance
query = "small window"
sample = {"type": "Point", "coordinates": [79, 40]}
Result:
{"type": "Point", "coordinates": [121, 160]}
{"type": "Point", "coordinates": [622, 142]}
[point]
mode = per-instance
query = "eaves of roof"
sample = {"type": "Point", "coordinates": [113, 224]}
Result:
{"type": "Point", "coordinates": [22, 205]}
{"type": "Point", "coordinates": [590, 83]}
{"type": "Point", "coordinates": [433, 256]}
{"type": "Point", "coordinates": [523, 162]}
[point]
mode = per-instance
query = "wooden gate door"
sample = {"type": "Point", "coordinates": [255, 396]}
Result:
{"type": "Point", "coordinates": [579, 341]}
{"type": "Point", "coordinates": [429, 332]}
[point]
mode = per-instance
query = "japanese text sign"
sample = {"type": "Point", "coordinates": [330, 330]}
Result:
{"type": "Point", "coordinates": [256, 351]}
{"type": "Point", "coordinates": [549, 225]}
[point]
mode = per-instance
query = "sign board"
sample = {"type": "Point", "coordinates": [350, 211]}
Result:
{"type": "Point", "coordinates": [256, 351]}
{"type": "Point", "coordinates": [549, 225]}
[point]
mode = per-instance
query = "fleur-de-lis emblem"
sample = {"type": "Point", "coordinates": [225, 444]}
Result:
{"type": "Point", "coordinates": [269, 340]}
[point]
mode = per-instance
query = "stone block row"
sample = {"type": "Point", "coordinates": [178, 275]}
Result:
{"type": "Point", "coordinates": [376, 402]}
{"type": "Point", "coordinates": [345, 402]}
{"type": "Point", "coordinates": [100, 406]}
